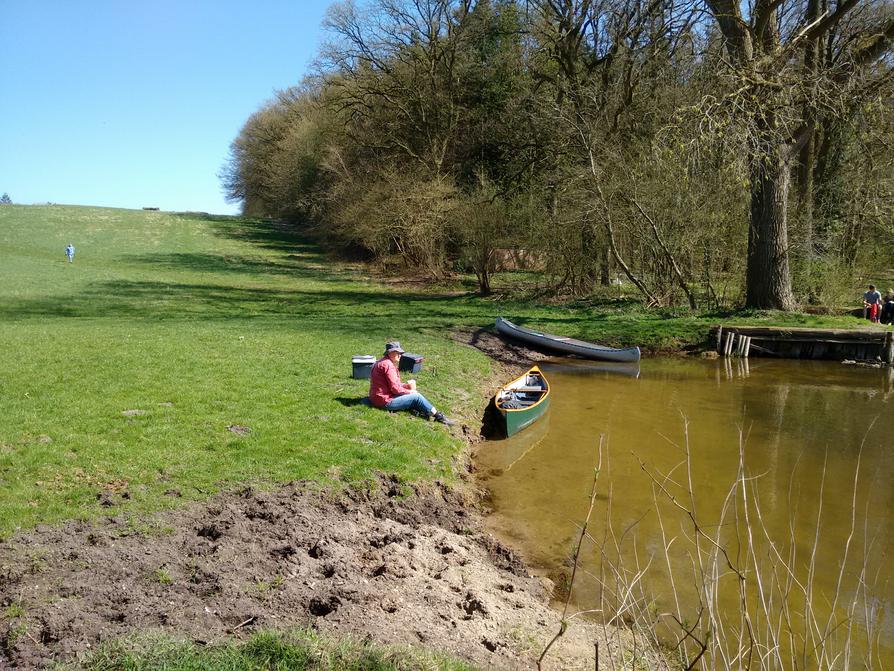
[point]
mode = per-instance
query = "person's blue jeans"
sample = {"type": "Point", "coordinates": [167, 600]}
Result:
{"type": "Point", "coordinates": [414, 402]}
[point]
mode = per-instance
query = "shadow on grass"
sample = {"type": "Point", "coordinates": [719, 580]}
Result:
{"type": "Point", "coordinates": [295, 265]}
{"type": "Point", "coordinates": [216, 292]}
{"type": "Point", "coordinates": [342, 310]}
{"type": "Point", "coordinates": [296, 253]}
{"type": "Point", "coordinates": [353, 401]}
{"type": "Point", "coordinates": [265, 233]}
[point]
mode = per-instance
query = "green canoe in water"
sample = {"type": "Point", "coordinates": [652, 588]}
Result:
{"type": "Point", "coordinates": [523, 401]}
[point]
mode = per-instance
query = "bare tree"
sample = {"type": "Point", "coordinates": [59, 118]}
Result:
{"type": "Point", "coordinates": [778, 84]}
{"type": "Point", "coordinates": [393, 76]}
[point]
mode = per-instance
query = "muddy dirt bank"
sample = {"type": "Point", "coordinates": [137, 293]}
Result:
{"type": "Point", "coordinates": [402, 570]}
{"type": "Point", "coordinates": [511, 357]}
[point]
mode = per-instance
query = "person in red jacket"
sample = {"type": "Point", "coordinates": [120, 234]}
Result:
{"type": "Point", "coordinates": [386, 390]}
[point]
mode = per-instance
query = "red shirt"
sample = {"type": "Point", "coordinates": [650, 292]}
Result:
{"type": "Point", "coordinates": [385, 384]}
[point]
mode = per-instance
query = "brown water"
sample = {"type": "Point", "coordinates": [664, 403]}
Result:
{"type": "Point", "coordinates": [803, 426]}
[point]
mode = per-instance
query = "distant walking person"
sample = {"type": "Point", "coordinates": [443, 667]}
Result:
{"type": "Point", "coordinates": [872, 304]}
{"type": "Point", "coordinates": [70, 252]}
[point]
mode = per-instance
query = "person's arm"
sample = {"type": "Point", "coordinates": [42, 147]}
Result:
{"type": "Point", "coordinates": [395, 386]}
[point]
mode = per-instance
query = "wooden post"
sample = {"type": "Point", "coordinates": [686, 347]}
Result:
{"type": "Point", "coordinates": [720, 339]}
{"type": "Point", "coordinates": [747, 349]}
{"type": "Point", "coordinates": [728, 345]}
{"type": "Point", "coordinates": [888, 349]}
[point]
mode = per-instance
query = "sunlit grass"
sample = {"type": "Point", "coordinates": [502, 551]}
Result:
{"type": "Point", "coordinates": [266, 650]}
{"type": "Point", "coordinates": [180, 355]}
{"type": "Point", "coordinates": [127, 376]}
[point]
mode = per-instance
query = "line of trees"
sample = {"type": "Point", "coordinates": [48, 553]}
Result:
{"type": "Point", "coordinates": [698, 147]}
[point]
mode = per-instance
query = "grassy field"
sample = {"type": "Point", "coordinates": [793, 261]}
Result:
{"type": "Point", "coordinates": [123, 370]}
{"type": "Point", "coordinates": [122, 373]}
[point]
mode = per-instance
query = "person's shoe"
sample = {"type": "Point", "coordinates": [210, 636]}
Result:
{"type": "Point", "coordinates": [442, 418]}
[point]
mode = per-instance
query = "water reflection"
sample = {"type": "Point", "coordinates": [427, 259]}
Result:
{"type": "Point", "coordinates": [804, 428]}
{"type": "Point", "coordinates": [581, 367]}
{"type": "Point", "coordinates": [520, 446]}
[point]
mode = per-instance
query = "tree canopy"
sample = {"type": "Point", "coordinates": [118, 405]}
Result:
{"type": "Point", "coordinates": [705, 150]}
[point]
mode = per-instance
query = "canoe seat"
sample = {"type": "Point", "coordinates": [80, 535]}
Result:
{"type": "Point", "coordinates": [516, 403]}
{"type": "Point", "coordinates": [523, 389]}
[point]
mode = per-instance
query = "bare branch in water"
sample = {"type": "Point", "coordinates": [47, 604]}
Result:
{"type": "Point", "coordinates": [779, 617]}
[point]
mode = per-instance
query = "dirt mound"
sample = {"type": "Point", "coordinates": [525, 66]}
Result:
{"type": "Point", "coordinates": [515, 357]}
{"type": "Point", "coordinates": [414, 570]}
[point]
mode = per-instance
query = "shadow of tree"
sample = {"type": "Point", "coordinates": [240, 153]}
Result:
{"type": "Point", "coordinates": [265, 233]}
{"type": "Point", "coordinates": [294, 265]}
{"type": "Point", "coordinates": [343, 310]}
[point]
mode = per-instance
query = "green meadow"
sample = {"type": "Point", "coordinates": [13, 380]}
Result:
{"type": "Point", "coordinates": [185, 353]}
{"type": "Point", "coordinates": [135, 368]}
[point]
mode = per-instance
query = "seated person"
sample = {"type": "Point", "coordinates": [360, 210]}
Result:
{"type": "Point", "coordinates": [872, 304]}
{"type": "Point", "coordinates": [888, 307]}
{"type": "Point", "coordinates": [387, 391]}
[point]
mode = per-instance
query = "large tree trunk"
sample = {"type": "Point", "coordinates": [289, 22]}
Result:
{"type": "Point", "coordinates": [768, 281]}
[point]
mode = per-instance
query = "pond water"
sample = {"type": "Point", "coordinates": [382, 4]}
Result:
{"type": "Point", "coordinates": [798, 454]}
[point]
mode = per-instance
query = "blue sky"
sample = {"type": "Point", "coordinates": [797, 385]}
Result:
{"type": "Point", "coordinates": [134, 104]}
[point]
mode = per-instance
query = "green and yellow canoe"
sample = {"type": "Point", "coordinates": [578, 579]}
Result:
{"type": "Point", "coordinates": [523, 401]}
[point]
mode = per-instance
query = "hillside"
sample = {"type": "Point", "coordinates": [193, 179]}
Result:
{"type": "Point", "coordinates": [190, 353]}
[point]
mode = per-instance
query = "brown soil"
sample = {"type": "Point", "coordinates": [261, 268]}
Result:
{"type": "Point", "coordinates": [514, 358]}
{"type": "Point", "coordinates": [406, 570]}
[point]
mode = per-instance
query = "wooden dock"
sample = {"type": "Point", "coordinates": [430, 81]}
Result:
{"type": "Point", "coordinates": [862, 344]}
